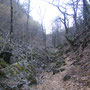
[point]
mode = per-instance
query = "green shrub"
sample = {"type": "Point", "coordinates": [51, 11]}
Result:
{"type": "Point", "coordinates": [32, 79]}
{"type": "Point", "coordinates": [27, 71]}
{"type": "Point", "coordinates": [58, 64]}
{"type": "Point", "coordinates": [11, 72]}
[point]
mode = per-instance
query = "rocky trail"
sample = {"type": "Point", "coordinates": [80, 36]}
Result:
{"type": "Point", "coordinates": [48, 81]}
{"type": "Point", "coordinates": [65, 71]}
{"type": "Point", "coordinates": [44, 50]}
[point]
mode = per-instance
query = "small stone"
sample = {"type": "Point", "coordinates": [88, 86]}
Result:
{"type": "Point", "coordinates": [55, 71]}
{"type": "Point", "coordinates": [62, 69]}
{"type": "Point", "coordinates": [66, 77]}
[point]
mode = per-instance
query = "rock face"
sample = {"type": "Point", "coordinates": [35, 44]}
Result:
{"type": "Point", "coordinates": [66, 77]}
{"type": "Point", "coordinates": [6, 56]}
{"type": "Point", "coordinates": [3, 64]}
{"type": "Point", "coordinates": [18, 75]}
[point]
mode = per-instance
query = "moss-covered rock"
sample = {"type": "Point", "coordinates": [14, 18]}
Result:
{"type": "Point", "coordinates": [18, 66]}
{"type": "Point", "coordinates": [32, 79]}
{"type": "Point", "coordinates": [63, 62]}
{"type": "Point", "coordinates": [22, 71]}
{"type": "Point", "coordinates": [3, 64]}
{"type": "Point", "coordinates": [11, 72]}
{"type": "Point", "coordinates": [20, 74]}
{"type": "Point", "coordinates": [62, 69]}
{"type": "Point", "coordinates": [60, 63]}
{"type": "Point", "coordinates": [6, 56]}
{"type": "Point", "coordinates": [44, 66]}
{"type": "Point", "coordinates": [27, 71]}
{"type": "Point", "coordinates": [1, 44]}
{"type": "Point", "coordinates": [2, 74]}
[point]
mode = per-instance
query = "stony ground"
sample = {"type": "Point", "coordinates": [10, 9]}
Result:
{"type": "Point", "coordinates": [48, 81]}
{"type": "Point", "coordinates": [73, 72]}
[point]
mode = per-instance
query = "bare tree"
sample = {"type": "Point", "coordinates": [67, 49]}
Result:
{"type": "Point", "coordinates": [28, 12]}
{"type": "Point", "coordinates": [27, 27]}
{"type": "Point", "coordinates": [86, 12]}
{"type": "Point", "coordinates": [56, 28]}
{"type": "Point", "coordinates": [63, 10]}
{"type": "Point", "coordinates": [11, 21]}
{"type": "Point", "coordinates": [42, 16]}
{"type": "Point", "coordinates": [74, 4]}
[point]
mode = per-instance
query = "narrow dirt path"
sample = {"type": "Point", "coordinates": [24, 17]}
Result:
{"type": "Point", "coordinates": [48, 81]}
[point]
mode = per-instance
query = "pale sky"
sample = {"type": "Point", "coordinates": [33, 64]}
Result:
{"type": "Point", "coordinates": [50, 12]}
{"type": "Point", "coordinates": [46, 9]}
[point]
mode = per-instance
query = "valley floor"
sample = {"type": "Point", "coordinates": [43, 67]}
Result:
{"type": "Point", "coordinates": [48, 81]}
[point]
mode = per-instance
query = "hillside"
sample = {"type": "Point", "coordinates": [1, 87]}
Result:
{"type": "Point", "coordinates": [30, 59]}
{"type": "Point", "coordinates": [69, 70]}
{"type": "Point", "coordinates": [19, 25]}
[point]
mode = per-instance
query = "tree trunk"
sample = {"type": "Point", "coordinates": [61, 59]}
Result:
{"type": "Point", "coordinates": [86, 12]}
{"type": "Point", "coordinates": [11, 21]}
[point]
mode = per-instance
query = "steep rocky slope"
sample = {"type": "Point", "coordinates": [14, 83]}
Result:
{"type": "Point", "coordinates": [75, 75]}
{"type": "Point", "coordinates": [65, 68]}
{"type": "Point", "coordinates": [17, 75]}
